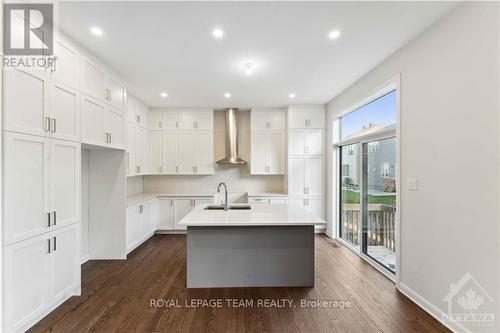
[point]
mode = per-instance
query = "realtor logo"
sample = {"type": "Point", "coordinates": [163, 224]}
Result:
{"type": "Point", "coordinates": [469, 304]}
{"type": "Point", "coordinates": [28, 29]}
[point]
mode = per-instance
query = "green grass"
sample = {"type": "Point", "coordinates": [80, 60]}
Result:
{"type": "Point", "coordinates": [350, 197]}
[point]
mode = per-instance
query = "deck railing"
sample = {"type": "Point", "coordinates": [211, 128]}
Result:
{"type": "Point", "coordinates": [380, 227]}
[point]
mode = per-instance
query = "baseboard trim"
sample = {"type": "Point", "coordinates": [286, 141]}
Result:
{"type": "Point", "coordinates": [170, 232]}
{"type": "Point", "coordinates": [84, 259]}
{"type": "Point", "coordinates": [430, 308]}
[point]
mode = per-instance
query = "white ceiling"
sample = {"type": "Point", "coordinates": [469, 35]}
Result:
{"type": "Point", "coordinates": [168, 46]}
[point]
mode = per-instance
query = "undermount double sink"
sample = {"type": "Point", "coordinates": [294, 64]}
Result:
{"type": "Point", "coordinates": [231, 207]}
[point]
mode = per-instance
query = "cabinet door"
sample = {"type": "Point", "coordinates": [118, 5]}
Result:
{"type": "Point", "coordinates": [116, 129]}
{"type": "Point", "coordinates": [156, 152]}
{"type": "Point", "coordinates": [26, 266]}
{"type": "Point", "coordinates": [170, 152]}
{"type": "Point", "coordinates": [181, 208]}
{"type": "Point", "coordinates": [26, 102]}
{"type": "Point", "coordinates": [316, 206]}
{"type": "Point", "coordinates": [116, 93]}
{"type": "Point", "coordinates": [258, 161]}
{"type": "Point", "coordinates": [170, 120]}
{"type": "Point", "coordinates": [93, 80]}
{"type": "Point", "coordinates": [204, 153]}
{"type": "Point", "coordinates": [67, 59]}
{"type": "Point", "coordinates": [165, 210]}
{"type": "Point", "coordinates": [276, 153]}
{"type": "Point", "coordinates": [155, 120]}
{"type": "Point", "coordinates": [297, 119]}
{"type": "Point", "coordinates": [65, 262]}
{"type": "Point", "coordinates": [140, 143]}
{"type": "Point", "coordinates": [204, 120]}
{"type": "Point", "coordinates": [315, 144]}
{"type": "Point", "coordinates": [26, 186]}
{"type": "Point", "coordinates": [131, 109]}
{"type": "Point", "coordinates": [202, 201]}
{"type": "Point", "coordinates": [132, 229]}
{"type": "Point", "coordinates": [279, 201]}
{"type": "Point", "coordinates": [316, 118]}
{"type": "Point", "coordinates": [141, 116]}
{"type": "Point", "coordinates": [297, 202]}
{"type": "Point", "coordinates": [64, 110]}
{"type": "Point", "coordinates": [258, 121]}
{"type": "Point", "coordinates": [276, 120]}
{"type": "Point", "coordinates": [93, 122]}
{"type": "Point", "coordinates": [186, 152]}
{"type": "Point", "coordinates": [315, 181]}
{"type": "Point", "coordinates": [131, 147]}
{"type": "Point", "coordinates": [145, 223]}
{"type": "Point", "coordinates": [296, 175]}
{"type": "Point", "coordinates": [64, 182]}
{"type": "Point", "coordinates": [186, 120]}
{"type": "Point", "coordinates": [297, 142]}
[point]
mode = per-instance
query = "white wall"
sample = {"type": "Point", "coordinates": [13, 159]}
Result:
{"type": "Point", "coordinates": [135, 185]}
{"type": "Point", "coordinates": [450, 141]}
{"type": "Point", "coordinates": [238, 179]}
{"type": "Point", "coordinates": [85, 254]}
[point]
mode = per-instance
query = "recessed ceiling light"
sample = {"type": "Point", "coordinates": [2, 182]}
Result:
{"type": "Point", "coordinates": [227, 95]}
{"type": "Point", "coordinates": [164, 95]}
{"type": "Point", "coordinates": [249, 67]}
{"type": "Point", "coordinates": [334, 34]}
{"type": "Point", "coordinates": [218, 33]}
{"type": "Point", "coordinates": [292, 95]}
{"type": "Point", "coordinates": [96, 31]}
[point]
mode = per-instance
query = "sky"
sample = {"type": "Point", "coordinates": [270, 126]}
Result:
{"type": "Point", "coordinates": [380, 111]}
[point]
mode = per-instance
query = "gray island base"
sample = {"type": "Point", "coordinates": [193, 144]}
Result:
{"type": "Point", "coordinates": [267, 246]}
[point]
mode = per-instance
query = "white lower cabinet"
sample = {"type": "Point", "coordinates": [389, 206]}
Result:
{"type": "Point", "coordinates": [139, 224]}
{"type": "Point", "coordinates": [181, 208]}
{"type": "Point", "coordinates": [39, 273]}
{"type": "Point", "coordinates": [315, 205]}
{"type": "Point", "coordinates": [164, 213]}
{"type": "Point", "coordinates": [268, 200]}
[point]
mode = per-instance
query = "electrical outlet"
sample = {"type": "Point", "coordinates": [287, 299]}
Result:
{"type": "Point", "coordinates": [413, 184]}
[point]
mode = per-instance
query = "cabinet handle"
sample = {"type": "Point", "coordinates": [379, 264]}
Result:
{"type": "Point", "coordinates": [47, 124]}
{"type": "Point", "coordinates": [110, 97]}
{"type": "Point", "coordinates": [176, 169]}
{"type": "Point", "coordinates": [53, 125]}
{"type": "Point", "coordinates": [171, 202]}
{"type": "Point", "coordinates": [106, 94]}
{"type": "Point", "coordinates": [48, 245]}
{"type": "Point", "coordinates": [159, 124]}
{"type": "Point", "coordinates": [138, 118]}
{"type": "Point", "coordinates": [55, 243]}
{"type": "Point", "coordinates": [160, 169]}
{"type": "Point", "coordinates": [306, 150]}
{"type": "Point", "coordinates": [194, 168]}
{"type": "Point", "coordinates": [139, 167]}
{"type": "Point", "coordinates": [53, 68]}
{"type": "Point", "coordinates": [176, 124]}
{"type": "Point", "coordinates": [48, 219]}
{"type": "Point", "coordinates": [306, 202]}
{"type": "Point", "coordinates": [109, 137]}
{"type": "Point", "coordinates": [54, 218]}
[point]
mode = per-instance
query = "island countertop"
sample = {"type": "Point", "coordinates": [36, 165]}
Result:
{"type": "Point", "coordinates": [258, 215]}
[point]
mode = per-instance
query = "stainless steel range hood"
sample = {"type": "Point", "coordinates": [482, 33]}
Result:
{"type": "Point", "coordinates": [232, 127]}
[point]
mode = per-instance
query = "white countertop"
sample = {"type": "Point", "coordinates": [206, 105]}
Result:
{"type": "Point", "coordinates": [138, 198]}
{"type": "Point", "coordinates": [259, 215]}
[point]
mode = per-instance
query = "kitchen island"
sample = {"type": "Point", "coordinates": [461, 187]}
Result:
{"type": "Point", "coordinates": [264, 246]}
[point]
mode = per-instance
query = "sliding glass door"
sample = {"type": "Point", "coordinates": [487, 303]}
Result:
{"type": "Point", "coordinates": [379, 201]}
{"type": "Point", "coordinates": [367, 179]}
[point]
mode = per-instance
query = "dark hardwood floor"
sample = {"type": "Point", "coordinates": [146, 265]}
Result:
{"type": "Point", "coordinates": [116, 297]}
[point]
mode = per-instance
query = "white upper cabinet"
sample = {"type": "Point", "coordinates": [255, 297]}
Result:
{"type": "Point", "coordinates": [66, 65]}
{"type": "Point", "coordinates": [116, 93]}
{"type": "Point", "coordinates": [64, 113]}
{"type": "Point", "coordinates": [306, 117]}
{"type": "Point", "coordinates": [306, 142]}
{"type": "Point", "coordinates": [137, 112]}
{"type": "Point", "coordinates": [170, 152]}
{"type": "Point", "coordinates": [186, 153]}
{"type": "Point", "coordinates": [26, 186]}
{"type": "Point", "coordinates": [64, 182]}
{"type": "Point", "coordinates": [204, 153]}
{"type": "Point", "coordinates": [98, 84]}
{"type": "Point", "coordinates": [156, 153]}
{"type": "Point", "coordinates": [195, 119]}
{"type": "Point", "coordinates": [268, 153]}
{"type": "Point", "coordinates": [93, 119]}
{"type": "Point", "coordinates": [26, 101]}
{"type": "Point", "coordinates": [131, 146]}
{"type": "Point", "coordinates": [170, 120]}
{"type": "Point", "coordinates": [115, 127]}
{"type": "Point", "coordinates": [155, 120]}
{"type": "Point", "coordinates": [296, 175]}
{"type": "Point", "coordinates": [272, 120]}
{"type": "Point", "coordinates": [93, 80]}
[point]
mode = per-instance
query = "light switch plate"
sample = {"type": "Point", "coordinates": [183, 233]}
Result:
{"type": "Point", "coordinates": [413, 184]}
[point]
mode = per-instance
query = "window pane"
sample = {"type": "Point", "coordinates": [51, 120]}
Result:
{"type": "Point", "coordinates": [349, 197]}
{"type": "Point", "coordinates": [369, 118]}
{"type": "Point", "coordinates": [381, 216]}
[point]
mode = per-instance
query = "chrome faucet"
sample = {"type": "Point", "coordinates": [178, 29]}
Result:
{"type": "Point", "coordinates": [225, 193]}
